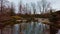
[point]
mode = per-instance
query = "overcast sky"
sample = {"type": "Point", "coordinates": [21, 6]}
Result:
{"type": "Point", "coordinates": [55, 4]}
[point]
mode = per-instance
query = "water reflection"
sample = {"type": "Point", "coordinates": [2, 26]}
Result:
{"type": "Point", "coordinates": [32, 28]}
{"type": "Point", "coordinates": [16, 29]}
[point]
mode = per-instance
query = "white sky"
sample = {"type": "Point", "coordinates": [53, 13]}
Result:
{"type": "Point", "coordinates": [54, 3]}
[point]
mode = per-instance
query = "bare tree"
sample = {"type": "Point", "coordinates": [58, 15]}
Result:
{"type": "Point", "coordinates": [24, 8]}
{"type": "Point", "coordinates": [3, 3]}
{"type": "Point", "coordinates": [27, 8]}
{"type": "Point", "coordinates": [20, 7]}
{"type": "Point", "coordinates": [38, 4]}
{"type": "Point", "coordinates": [33, 7]}
{"type": "Point", "coordinates": [44, 6]}
{"type": "Point", "coordinates": [30, 11]}
{"type": "Point", "coordinates": [6, 8]}
{"type": "Point", "coordinates": [12, 9]}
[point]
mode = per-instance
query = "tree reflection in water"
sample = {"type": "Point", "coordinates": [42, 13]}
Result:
{"type": "Point", "coordinates": [33, 28]}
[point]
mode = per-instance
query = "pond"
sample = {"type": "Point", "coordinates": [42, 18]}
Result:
{"type": "Point", "coordinates": [31, 28]}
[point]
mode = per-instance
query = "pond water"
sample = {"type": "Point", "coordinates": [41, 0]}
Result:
{"type": "Point", "coordinates": [31, 28]}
